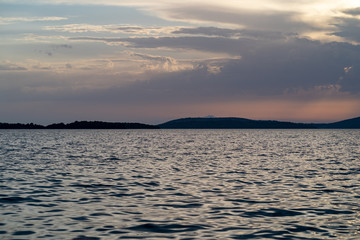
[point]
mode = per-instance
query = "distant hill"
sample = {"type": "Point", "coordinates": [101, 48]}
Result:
{"type": "Point", "coordinates": [231, 123]}
{"type": "Point", "coordinates": [100, 125]}
{"type": "Point", "coordinates": [353, 123]}
{"type": "Point", "coordinates": [79, 125]}
{"type": "Point", "coordinates": [243, 123]}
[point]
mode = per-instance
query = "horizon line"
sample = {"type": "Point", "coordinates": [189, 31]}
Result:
{"type": "Point", "coordinates": [205, 117]}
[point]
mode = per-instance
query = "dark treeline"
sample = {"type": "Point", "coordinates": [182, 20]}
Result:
{"type": "Point", "coordinates": [20, 126]}
{"type": "Point", "coordinates": [79, 125]}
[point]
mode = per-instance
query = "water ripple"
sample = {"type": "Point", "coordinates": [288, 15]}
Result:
{"type": "Point", "coordinates": [166, 228]}
{"type": "Point", "coordinates": [179, 184]}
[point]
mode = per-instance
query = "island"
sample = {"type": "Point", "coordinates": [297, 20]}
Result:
{"type": "Point", "coordinates": [80, 125]}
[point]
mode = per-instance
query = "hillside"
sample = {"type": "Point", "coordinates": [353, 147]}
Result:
{"type": "Point", "coordinates": [353, 123]}
{"type": "Point", "coordinates": [231, 123]}
{"type": "Point", "coordinates": [79, 125]}
{"type": "Point", "coordinates": [100, 125]}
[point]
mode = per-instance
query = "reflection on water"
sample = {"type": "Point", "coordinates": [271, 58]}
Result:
{"type": "Point", "coordinates": [179, 184]}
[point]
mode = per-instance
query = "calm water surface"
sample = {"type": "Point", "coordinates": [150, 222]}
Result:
{"type": "Point", "coordinates": [179, 184]}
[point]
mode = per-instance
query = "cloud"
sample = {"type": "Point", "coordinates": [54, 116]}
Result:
{"type": "Point", "coordinates": [214, 44]}
{"type": "Point", "coordinates": [263, 67]}
{"type": "Point", "coordinates": [348, 28]}
{"type": "Point", "coordinates": [54, 48]}
{"type": "Point", "coordinates": [209, 31]}
{"type": "Point", "coordinates": [58, 46]}
{"type": "Point", "coordinates": [260, 62]}
{"type": "Point", "coordinates": [269, 63]}
{"type": "Point", "coordinates": [251, 19]}
{"type": "Point", "coordinates": [306, 18]}
{"type": "Point", "coordinates": [352, 11]}
{"type": "Point", "coordinates": [161, 63]}
{"type": "Point", "coordinates": [350, 80]}
{"type": "Point", "coordinates": [43, 38]}
{"type": "Point", "coordinates": [8, 66]}
{"type": "Point", "coordinates": [11, 20]}
{"type": "Point", "coordinates": [78, 28]}
{"type": "Point", "coordinates": [232, 33]}
{"type": "Point", "coordinates": [320, 91]}
{"type": "Point", "coordinates": [125, 29]}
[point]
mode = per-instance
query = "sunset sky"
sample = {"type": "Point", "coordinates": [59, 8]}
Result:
{"type": "Point", "coordinates": [151, 61]}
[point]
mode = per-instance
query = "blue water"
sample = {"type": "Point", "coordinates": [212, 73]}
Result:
{"type": "Point", "coordinates": [179, 184]}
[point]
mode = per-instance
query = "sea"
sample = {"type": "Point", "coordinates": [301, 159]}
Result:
{"type": "Point", "coordinates": [179, 184]}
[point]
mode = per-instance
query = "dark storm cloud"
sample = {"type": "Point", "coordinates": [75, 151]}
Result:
{"type": "Point", "coordinates": [350, 82]}
{"type": "Point", "coordinates": [266, 66]}
{"type": "Point", "coordinates": [348, 28]}
{"type": "Point", "coordinates": [266, 69]}
{"type": "Point", "coordinates": [278, 63]}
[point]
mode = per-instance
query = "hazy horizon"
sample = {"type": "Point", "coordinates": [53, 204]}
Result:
{"type": "Point", "coordinates": [155, 61]}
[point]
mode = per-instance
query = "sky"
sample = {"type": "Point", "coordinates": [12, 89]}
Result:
{"type": "Point", "coordinates": [151, 61]}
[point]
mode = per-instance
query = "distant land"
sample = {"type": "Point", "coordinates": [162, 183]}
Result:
{"type": "Point", "coordinates": [80, 125]}
{"type": "Point", "coordinates": [193, 123]}
{"type": "Point", "coordinates": [243, 123]}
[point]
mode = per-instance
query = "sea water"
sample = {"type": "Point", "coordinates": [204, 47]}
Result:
{"type": "Point", "coordinates": [179, 184]}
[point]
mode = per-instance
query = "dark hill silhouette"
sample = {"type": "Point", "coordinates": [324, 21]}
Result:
{"type": "Point", "coordinates": [243, 123]}
{"type": "Point", "coordinates": [20, 126]}
{"type": "Point", "coordinates": [231, 123]}
{"type": "Point", "coordinates": [100, 125]}
{"type": "Point", "coordinates": [193, 123]}
{"type": "Point", "coordinates": [352, 123]}
{"type": "Point", "coordinates": [79, 125]}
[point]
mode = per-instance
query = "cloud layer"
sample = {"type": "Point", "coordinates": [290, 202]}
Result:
{"type": "Point", "coordinates": [230, 59]}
